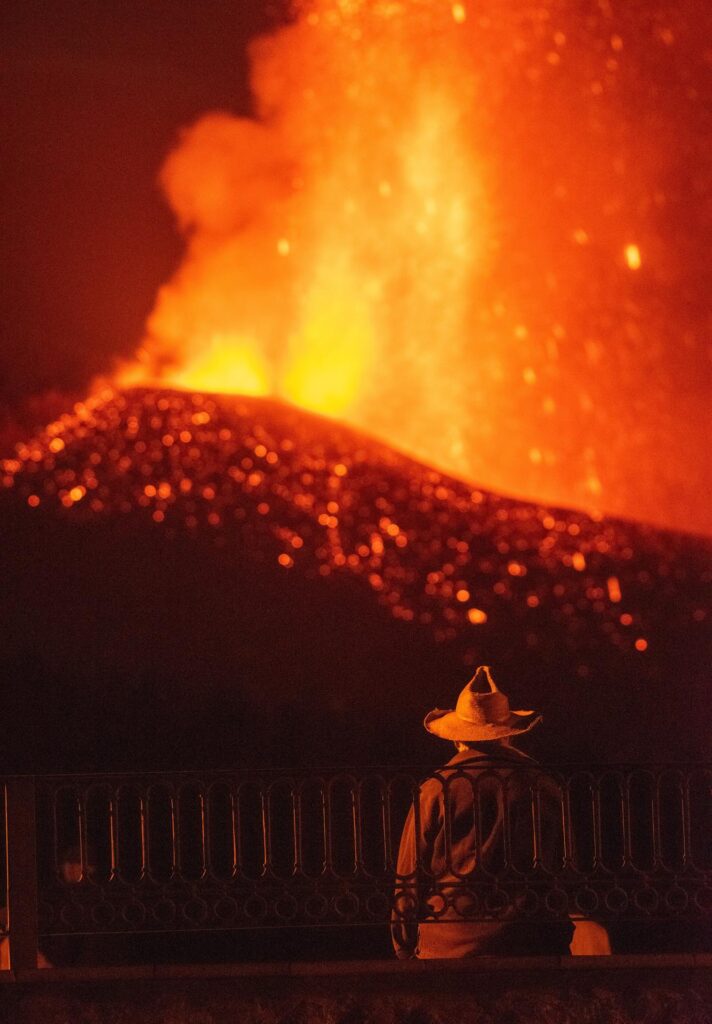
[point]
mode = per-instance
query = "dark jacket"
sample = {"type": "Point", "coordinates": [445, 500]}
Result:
{"type": "Point", "coordinates": [484, 834]}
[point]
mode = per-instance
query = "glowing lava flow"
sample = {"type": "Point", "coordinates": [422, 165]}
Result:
{"type": "Point", "coordinates": [295, 492]}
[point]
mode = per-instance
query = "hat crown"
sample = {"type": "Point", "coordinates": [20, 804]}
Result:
{"type": "Point", "coordinates": [480, 702]}
{"type": "Point", "coordinates": [482, 713]}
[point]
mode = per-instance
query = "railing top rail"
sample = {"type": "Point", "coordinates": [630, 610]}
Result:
{"type": "Point", "coordinates": [560, 767]}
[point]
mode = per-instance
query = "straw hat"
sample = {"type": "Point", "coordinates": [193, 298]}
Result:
{"type": "Point", "coordinates": [481, 713]}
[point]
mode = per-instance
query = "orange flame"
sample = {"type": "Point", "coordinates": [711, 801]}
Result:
{"type": "Point", "coordinates": [404, 237]}
{"type": "Point", "coordinates": [341, 225]}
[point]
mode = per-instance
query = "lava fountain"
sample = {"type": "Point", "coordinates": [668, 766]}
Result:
{"type": "Point", "coordinates": [333, 239]}
{"type": "Point", "coordinates": [445, 225]}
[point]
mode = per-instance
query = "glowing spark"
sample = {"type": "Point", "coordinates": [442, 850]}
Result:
{"type": "Point", "coordinates": [633, 257]}
{"type": "Point", "coordinates": [476, 616]}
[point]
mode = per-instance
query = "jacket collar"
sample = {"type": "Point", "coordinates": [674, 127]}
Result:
{"type": "Point", "coordinates": [501, 755]}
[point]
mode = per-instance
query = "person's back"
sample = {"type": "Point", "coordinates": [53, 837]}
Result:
{"type": "Point", "coordinates": [485, 826]}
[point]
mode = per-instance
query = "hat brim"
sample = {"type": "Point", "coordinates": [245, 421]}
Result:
{"type": "Point", "coordinates": [449, 726]}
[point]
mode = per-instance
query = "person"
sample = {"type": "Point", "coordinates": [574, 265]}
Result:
{"type": "Point", "coordinates": [478, 829]}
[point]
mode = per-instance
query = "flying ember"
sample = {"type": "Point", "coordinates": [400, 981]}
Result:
{"type": "Point", "coordinates": [442, 225]}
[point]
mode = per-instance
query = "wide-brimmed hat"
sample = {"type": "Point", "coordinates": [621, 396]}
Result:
{"type": "Point", "coordinates": [482, 713]}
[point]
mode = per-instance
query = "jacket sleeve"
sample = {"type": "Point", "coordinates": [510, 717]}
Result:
{"type": "Point", "coordinates": [414, 867]}
{"type": "Point", "coordinates": [404, 912]}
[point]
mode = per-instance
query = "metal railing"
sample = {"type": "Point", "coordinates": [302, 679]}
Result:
{"type": "Point", "coordinates": [261, 850]}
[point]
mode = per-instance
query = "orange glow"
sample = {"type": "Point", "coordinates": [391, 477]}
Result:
{"type": "Point", "coordinates": [403, 237]}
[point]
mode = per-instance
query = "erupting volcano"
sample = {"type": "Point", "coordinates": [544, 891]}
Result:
{"type": "Point", "coordinates": [433, 270]}
{"type": "Point", "coordinates": [446, 224]}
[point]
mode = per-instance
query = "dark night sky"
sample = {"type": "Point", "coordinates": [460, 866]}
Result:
{"type": "Point", "coordinates": [93, 96]}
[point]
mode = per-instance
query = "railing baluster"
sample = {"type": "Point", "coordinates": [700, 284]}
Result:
{"type": "Point", "coordinates": [143, 835]}
{"type": "Point", "coordinates": [82, 822]}
{"type": "Point", "coordinates": [360, 858]}
{"type": "Point", "coordinates": [234, 830]}
{"type": "Point", "coordinates": [567, 824]}
{"type": "Point", "coordinates": [627, 826]}
{"type": "Point", "coordinates": [295, 828]}
{"type": "Point", "coordinates": [113, 837]}
{"type": "Point", "coordinates": [176, 825]}
{"type": "Point", "coordinates": [353, 803]}
{"type": "Point", "coordinates": [687, 858]}
{"type": "Point", "coordinates": [203, 832]}
{"type": "Point", "coordinates": [535, 793]}
{"type": "Point", "coordinates": [324, 810]}
{"type": "Point", "coordinates": [328, 845]}
{"type": "Point", "coordinates": [266, 846]}
{"type": "Point", "coordinates": [655, 821]}
{"type": "Point", "coordinates": [596, 825]}
{"type": "Point", "coordinates": [240, 858]}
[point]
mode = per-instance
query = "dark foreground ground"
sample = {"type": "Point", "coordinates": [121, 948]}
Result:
{"type": "Point", "coordinates": [551, 991]}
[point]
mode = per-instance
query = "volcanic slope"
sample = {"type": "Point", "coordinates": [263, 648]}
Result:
{"type": "Point", "coordinates": [240, 545]}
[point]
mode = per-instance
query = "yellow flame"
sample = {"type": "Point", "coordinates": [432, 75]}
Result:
{"type": "Point", "coordinates": [633, 257]}
{"type": "Point", "coordinates": [327, 357]}
{"type": "Point", "coordinates": [227, 363]}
